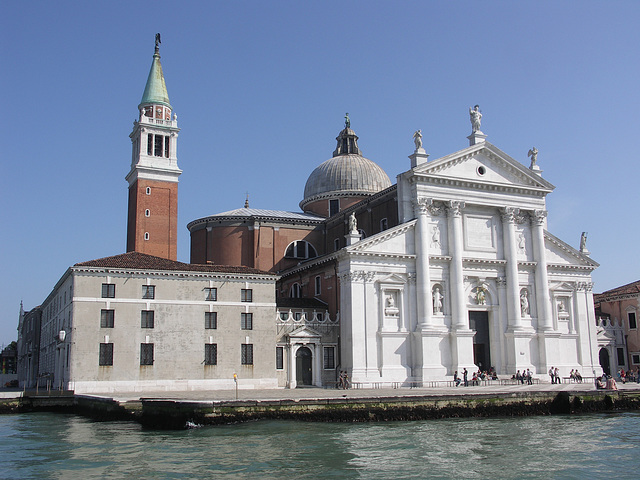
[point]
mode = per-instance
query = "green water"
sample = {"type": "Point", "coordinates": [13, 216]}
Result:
{"type": "Point", "coordinates": [45, 445]}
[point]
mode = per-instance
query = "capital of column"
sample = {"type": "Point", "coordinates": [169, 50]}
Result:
{"type": "Point", "coordinates": [509, 214]}
{"type": "Point", "coordinates": [421, 206]}
{"type": "Point", "coordinates": [501, 282]}
{"type": "Point", "coordinates": [538, 217]}
{"type": "Point", "coordinates": [454, 208]}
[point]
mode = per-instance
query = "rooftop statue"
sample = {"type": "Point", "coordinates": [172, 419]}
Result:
{"type": "Point", "coordinates": [583, 241]}
{"type": "Point", "coordinates": [158, 42]}
{"type": "Point", "coordinates": [417, 139]}
{"type": "Point", "coordinates": [533, 153]}
{"type": "Point", "coordinates": [475, 117]}
{"type": "Point", "coordinates": [347, 121]}
{"type": "Point", "coordinates": [353, 223]}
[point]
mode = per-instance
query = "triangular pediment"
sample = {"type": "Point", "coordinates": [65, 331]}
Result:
{"type": "Point", "coordinates": [483, 164]}
{"type": "Point", "coordinates": [393, 241]}
{"type": "Point", "coordinates": [561, 254]}
{"type": "Point", "coordinates": [304, 332]}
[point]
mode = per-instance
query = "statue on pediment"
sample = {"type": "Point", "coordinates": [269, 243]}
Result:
{"type": "Point", "coordinates": [417, 139]}
{"type": "Point", "coordinates": [476, 118]}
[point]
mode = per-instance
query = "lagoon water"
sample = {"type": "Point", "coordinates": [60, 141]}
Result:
{"type": "Point", "coordinates": [44, 445]}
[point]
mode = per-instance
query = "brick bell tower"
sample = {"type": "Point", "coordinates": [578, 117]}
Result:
{"type": "Point", "coordinates": [152, 225]}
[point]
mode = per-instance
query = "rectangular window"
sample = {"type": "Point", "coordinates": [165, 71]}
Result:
{"type": "Point", "coordinates": [632, 320]}
{"type": "Point", "coordinates": [146, 354]}
{"type": "Point", "coordinates": [246, 354]}
{"type": "Point", "coordinates": [211, 354]}
{"type": "Point", "coordinates": [166, 147]}
{"type": "Point", "coordinates": [318, 285]}
{"type": "Point", "coordinates": [279, 358]}
{"type": "Point", "coordinates": [147, 318]}
{"type": "Point", "coordinates": [211, 294]}
{"type": "Point", "coordinates": [334, 207]}
{"type": "Point", "coordinates": [157, 151]}
{"type": "Point", "coordinates": [106, 354]}
{"type": "Point", "coordinates": [246, 321]}
{"type": "Point", "coordinates": [106, 318]}
{"type": "Point", "coordinates": [383, 224]}
{"type": "Point", "coordinates": [108, 290]}
{"type": "Point", "coordinates": [246, 295]}
{"type": "Point", "coordinates": [620, 356]}
{"type": "Point", "coordinates": [210, 320]}
{"type": "Point", "coordinates": [635, 359]}
{"type": "Point", "coordinates": [149, 292]}
{"type": "Point", "coordinates": [329, 358]}
{"type": "Point", "coordinates": [150, 144]}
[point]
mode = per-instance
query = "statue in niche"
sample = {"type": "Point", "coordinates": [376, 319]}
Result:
{"type": "Point", "coordinates": [353, 224]}
{"type": "Point", "coordinates": [417, 139]}
{"type": "Point", "coordinates": [435, 236]}
{"type": "Point", "coordinates": [524, 303]}
{"type": "Point", "coordinates": [391, 310]}
{"type": "Point", "coordinates": [561, 307]}
{"type": "Point", "coordinates": [476, 118]}
{"type": "Point", "coordinates": [437, 300]}
{"type": "Point", "coordinates": [533, 153]}
{"type": "Point", "coordinates": [481, 296]}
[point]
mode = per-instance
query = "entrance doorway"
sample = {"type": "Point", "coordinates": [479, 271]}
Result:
{"type": "Point", "coordinates": [479, 321]}
{"type": "Point", "coordinates": [304, 374]}
{"type": "Point", "coordinates": [604, 361]}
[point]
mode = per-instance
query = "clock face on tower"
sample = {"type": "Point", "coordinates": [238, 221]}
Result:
{"type": "Point", "coordinates": [167, 114]}
{"type": "Point", "coordinates": [158, 112]}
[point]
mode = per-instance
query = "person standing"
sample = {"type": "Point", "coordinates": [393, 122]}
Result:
{"type": "Point", "coordinates": [552, 374]}
{"type": "Point", "coordinates": [556, 372]}
{"type": "Point", "coordinates": [465, 377]}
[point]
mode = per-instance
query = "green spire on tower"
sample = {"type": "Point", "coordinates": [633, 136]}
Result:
{"type": "Point", "coordinates": [155, 92]}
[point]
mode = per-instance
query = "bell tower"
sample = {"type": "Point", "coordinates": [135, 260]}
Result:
{"type": "Point", "coordinates": [152, 224]}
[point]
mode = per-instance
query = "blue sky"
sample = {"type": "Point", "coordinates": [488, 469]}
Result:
{"type": "Point", "coordinates": [261, 89]}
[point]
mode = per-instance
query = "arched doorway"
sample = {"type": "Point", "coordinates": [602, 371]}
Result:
{"type": "Point", "coordinates": [304, 373]}
{"type": "Point", "coordinates": [604, 361]}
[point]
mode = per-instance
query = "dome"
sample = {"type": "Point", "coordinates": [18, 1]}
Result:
{"type": "Point", "coordinates": [347, 174]}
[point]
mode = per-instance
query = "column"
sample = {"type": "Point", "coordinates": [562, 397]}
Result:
{"type": "Point", "coordinates": [292, 367]}
{"type": "Point", "coordinates": [423, 280]}
{"type": "Point", "coordinates": [543, 301]}
{"type": "Point", "coordinates": [318, 364]}
{"type": "Point", "coordinates": [511, 270]}
{"type": "Point", "coordinates": [456, 287]}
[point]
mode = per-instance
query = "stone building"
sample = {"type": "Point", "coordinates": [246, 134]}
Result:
{"type": "Point", "coordinates": [618, 310]}
{"type": "Point", "coordinates": [451, 267]}
{"type": "Point", "coordinates": [29, 346]}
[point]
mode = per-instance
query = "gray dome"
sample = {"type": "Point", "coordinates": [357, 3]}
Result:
{"type": "Point", "coordinates": [347, 174]}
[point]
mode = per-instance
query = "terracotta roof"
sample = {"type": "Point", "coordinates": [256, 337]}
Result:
{"type": "Point", "coordinates": [629, 289]}
{"type": "Point", "coordinates": [136, 260]}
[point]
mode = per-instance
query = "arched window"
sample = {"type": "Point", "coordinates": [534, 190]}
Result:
{"type": "Point", "coordinates": [300, 249]}
{"type": "Point", "coordinates": [296, 291]}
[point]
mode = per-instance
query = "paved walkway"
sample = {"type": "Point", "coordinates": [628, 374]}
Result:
{"type": "Point", "coordinates": [321, 393]}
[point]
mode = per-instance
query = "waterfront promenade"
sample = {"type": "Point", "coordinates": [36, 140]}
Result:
{"type": "Point", "coordinates": [311, 393]}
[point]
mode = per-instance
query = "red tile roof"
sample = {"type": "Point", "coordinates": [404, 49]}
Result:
{"type": "Point", "coordinates": [629, 289]}
{"type": "Point", "coordinates": [136, 260]}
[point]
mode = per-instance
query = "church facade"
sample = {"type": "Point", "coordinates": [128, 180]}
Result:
{"type": "Point", "coordinates": [450, 268]}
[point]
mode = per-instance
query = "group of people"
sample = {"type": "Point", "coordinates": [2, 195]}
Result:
{"type": "Point", "coordinates": [475, 378]}
{"type": "Point", "coordinates": [343, 380]}
{"type": "Point", "coordinates": [606, 382]}
{"type": "Point", "coordinates": [575, 375]}
{"type": "Point", "coordinates": [554, 373]}
{"type": "Point", "coordinates": [525, 376]}
{"type": "Point", "coordinates": [628, 376]}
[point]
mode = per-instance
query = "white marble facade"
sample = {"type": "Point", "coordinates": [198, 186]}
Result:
{"type": "Point", "coordinates": [469, 276]}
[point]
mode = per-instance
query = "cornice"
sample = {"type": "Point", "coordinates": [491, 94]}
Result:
{"type": "Point", "coordinates": [174, 273]}
{"type": "Point", "coordinates": [382, 236]}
